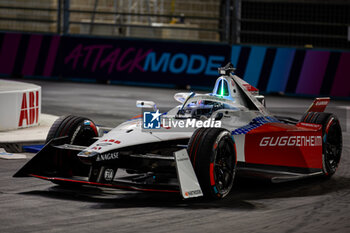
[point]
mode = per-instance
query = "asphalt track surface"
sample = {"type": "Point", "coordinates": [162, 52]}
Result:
{"type": "Point", "coordinates": [33, 205]}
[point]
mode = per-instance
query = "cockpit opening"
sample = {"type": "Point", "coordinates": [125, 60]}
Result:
{"type": "Point", "coordinates": [198, 108]}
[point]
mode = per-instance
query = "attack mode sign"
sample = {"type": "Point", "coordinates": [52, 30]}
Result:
{"type": "Point", "coordinates": [30, 109]}
{"type": "Point", "coordinates": [143, 61]}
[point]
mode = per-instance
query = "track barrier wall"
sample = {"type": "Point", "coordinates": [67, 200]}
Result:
{"type": "Point", "coordinates": [173, 63]}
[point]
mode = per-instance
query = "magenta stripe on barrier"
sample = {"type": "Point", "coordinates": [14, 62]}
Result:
{"type": "Point", "coordinates": [312, 73]}
{"type": "Point", "coordinates": [341, 83]}
{"type": "Point", "coordinates": [8, 52]}
{"type": "Point", "coordinates": [32, 54]}
{"type": "Point", "coordinates": [51, 57]}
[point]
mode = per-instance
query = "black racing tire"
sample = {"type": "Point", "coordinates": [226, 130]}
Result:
{"type": "Point", "coordinates": [213, 156]}
{"type": "Point", "coordinates": [332, 140]}
{"type": "Point", "coordinates": [80, 131]}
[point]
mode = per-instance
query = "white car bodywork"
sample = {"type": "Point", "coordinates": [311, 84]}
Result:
{"type": "Point", "coordinates": [130, 133]}
{"type": "Point", "coordinates": [237, 113]}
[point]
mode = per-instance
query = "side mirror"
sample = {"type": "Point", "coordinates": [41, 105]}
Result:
{"type": "Point", "coordinates": [146, 104]}
{"type": "Point", "coordinates": [181, 97]}
{"type": "Point", "coordinates": [261, 99]}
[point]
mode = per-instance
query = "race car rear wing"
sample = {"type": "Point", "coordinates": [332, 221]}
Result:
{"type": "Point", "coordinates": [319, 105]}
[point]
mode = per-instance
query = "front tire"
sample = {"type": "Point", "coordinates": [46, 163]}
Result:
{"type": "Point", "coordinates": [80, 131]}
{"type": "Point", "coordinates": [213, 156]}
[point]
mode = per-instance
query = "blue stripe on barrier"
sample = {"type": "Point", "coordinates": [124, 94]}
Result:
{"type": "Point", "coordinates": [32, 148]}
{"type": "Point", "coordinates": [256, 60]}
{"type": "Point", "coordinates": [280, 70]}
{"type": "Point", "coordinates": [235, 55]}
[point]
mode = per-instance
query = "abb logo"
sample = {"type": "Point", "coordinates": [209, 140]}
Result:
{"type": "Point", "coordinates": [29, 109]}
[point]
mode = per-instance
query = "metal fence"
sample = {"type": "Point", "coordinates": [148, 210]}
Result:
{"type": "Point", "coordinates": [310, 23]}
{"type": "Point", "coordinates": [32, 16]}
{"type": "Point", "coordinates": [164, 19]}
{"type": "Point", "coordinates": [180, 19]}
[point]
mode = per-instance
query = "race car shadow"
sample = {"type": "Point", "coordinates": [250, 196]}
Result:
{"type": "Point", "coordinates": [112, 199]}
{"type": "Point", "coordinates": [261, 189]}
{"type": "Point", "coordinates": [245, 195]}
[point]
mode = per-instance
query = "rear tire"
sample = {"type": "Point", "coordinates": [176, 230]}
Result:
{"type": "Point", "coordinates": [213, 156]}
{"type": "Point", "coordinates": [331, 139]}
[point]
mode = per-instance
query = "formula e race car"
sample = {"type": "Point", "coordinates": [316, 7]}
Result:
{"type": "Point", "coordinates": [229, 132]}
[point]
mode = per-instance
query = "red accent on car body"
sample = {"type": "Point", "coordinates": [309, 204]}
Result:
{"type": "Point", "coordinates": [135, 117]}
{"type": "Point", "coordinates": [250, 87]}
{"type": "Point", "coordinates": [304, 154]}
{"type": "Point", "coordinates": [93, 126]}
{"type": "Point", "coordinates": [319, 104]}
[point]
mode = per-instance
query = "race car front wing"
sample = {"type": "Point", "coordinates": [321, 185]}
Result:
{"type": "Point", "coordinates": [44, 166]}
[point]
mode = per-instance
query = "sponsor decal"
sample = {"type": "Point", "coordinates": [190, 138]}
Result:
{"type": "Point", "coordinates": [107, 156]}
{"type": "Point", "coordinates": [108, 142]}
{"type": "Point", "coordinates": [250, 87]}
{"type": "Point", "coordinates": [115, 141]}
{"type": "Point", "coordinates": [183, 159]}
{"type": "Point", "coordinates": [193, 193]}
{"type": "Point", "coordinates": [319, 104]}
{"type": "Point", "coordinates": [104, 144]}
{"type": "Point", "coordinates": [316, 126]}
{"type": "Point", "coordinates": [322, 103]}
{"type": "Point", "coordinates": [86, 153]}
{"type": "Point", "coordinates": [291, 141]}
{"type": "Point", "coordinates": [109, 173]}
{"type": "Point", "coordinates": [29, 114]}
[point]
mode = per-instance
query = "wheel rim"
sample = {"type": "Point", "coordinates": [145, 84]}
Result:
{"type": "Point", "coordinates": [83, 135]}
{"type": "Point", "coordinates": [333, 147]}
{"type": "Point", "coordinates": [224, 165]}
